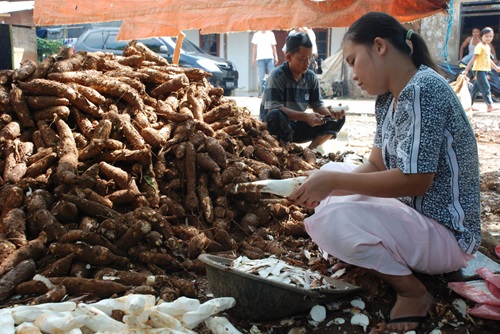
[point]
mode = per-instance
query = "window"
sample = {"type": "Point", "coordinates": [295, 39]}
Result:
{"type": "Point", "coordinates": [152, 43]}
{"type": "Point", "coordinates": [210, 44]}
{"type": "Point", "coordinates": [95, 40]}
{"type": "Point", "coordinates": [480, 14]}
{"type": "Point", "coordinates": [113, 44]}
{"type": "Point", "coordinates": [323, 45]}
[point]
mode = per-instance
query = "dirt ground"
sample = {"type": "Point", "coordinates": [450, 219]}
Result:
{"type": "Point", "coordinates": [377, 296]}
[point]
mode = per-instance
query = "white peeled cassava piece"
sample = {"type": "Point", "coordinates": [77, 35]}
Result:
{"type": "Point", "coordinates": [134, 311]}
{"type": "Point", "coordinates": [99, 321]}
{"type": "Point", "coordinates": [129, 304]}
{"type": "Point", "coordinates": [30, 313]}
{"type": "Point", "coordinates": [360, 320]}
{"type": "Point", "coordinates": [192, 319]}
{"type": "Point", "coordinates": [7, 322]}
{"type": "Point", "coordinates": [220, 325]}
{"type": "Point", "coordinates": [141, 316]}
{"type": "Point", "coordinates": [338, 108]}
{"type": "Point", "coordinates": [59, 322]}
{"type": "Point", "coordinates": [28, 328]}
{"type": "Point", "coordinates": [281, 187]}
{"type": "Point", "coordinates": [358, 303]}
{"type": "Point", "coordinates": [136, 304]}
{"type": "Point", "coordinates": [179, 306]}
{"type": "Point", "coordinates": [318, 313]}
{"type": "Point", "coordinates": [157, 319]}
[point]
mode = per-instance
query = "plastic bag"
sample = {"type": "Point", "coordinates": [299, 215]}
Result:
{"type": "Point", "coordinates": [461, 88]}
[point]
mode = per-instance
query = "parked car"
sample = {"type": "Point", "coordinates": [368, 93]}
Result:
{"type": "Point", "coordinates": [224, 73]}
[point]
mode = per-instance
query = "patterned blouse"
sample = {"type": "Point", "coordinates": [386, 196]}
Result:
{"type": "Point", "coordinates": [429, 132]}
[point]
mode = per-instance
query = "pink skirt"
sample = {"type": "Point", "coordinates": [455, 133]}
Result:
{"type": "Point", "coordinates": [383, 234]}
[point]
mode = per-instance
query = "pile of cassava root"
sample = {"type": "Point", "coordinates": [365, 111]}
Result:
{"type": "Point", "coordinates": [118, 171]}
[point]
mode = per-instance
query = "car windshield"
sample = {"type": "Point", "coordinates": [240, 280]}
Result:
{"type": "Point", "coordinates": [187, 46]}
{"type": "Point", "coordinates": [154, 44]}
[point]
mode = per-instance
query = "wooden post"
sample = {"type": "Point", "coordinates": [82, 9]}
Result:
{"type": "Point", "coordinates": [178, 46]}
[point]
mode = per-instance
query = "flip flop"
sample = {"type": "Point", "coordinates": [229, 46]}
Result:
{"type": "Point", "coordinates": [416, 319]}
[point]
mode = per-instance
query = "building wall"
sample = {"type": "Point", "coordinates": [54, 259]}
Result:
{"type": "Point", "coordinates": [239, 51]}
{"type": "Point", "coordinates": [24, 44]}
{"type": "Point", "coordinates": [236, 48]}
{"type": "Point", "coordinates": [18, 44]}
{"type": "Point", "coordinates": [434, 31]}
{"type": "Point", "coordinates": [23, 18]}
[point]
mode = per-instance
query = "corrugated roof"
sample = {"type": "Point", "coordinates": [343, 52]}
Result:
{"type": "Point", "coordinates": [15, 6]}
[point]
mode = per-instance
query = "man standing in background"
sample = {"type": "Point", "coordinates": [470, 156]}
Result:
{"type": "Point", "coordinates": [264, 54]}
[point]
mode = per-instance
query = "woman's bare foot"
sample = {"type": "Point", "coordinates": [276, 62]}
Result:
{"type": "Point", "coordinates": [412, 307]}
{"type": "Point", "coordinates": [340, 265]}
{"type": "Point", "coordinates": [490, 108]}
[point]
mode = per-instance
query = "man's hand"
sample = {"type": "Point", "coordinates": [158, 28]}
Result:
{"type": "Point", "coordinates": [313, 119]}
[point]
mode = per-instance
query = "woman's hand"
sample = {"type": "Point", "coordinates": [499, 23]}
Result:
{"type": "Point", "coordinates": [315, 188]}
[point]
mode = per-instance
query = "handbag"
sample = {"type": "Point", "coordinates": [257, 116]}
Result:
{"type": "Point", "coordinates": [461, 88]}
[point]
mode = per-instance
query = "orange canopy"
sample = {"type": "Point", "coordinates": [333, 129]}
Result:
{"type": "Point", "coordinates": [147, 18]}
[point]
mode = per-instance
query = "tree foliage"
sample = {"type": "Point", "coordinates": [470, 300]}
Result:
{"type": "Point", "coordinates": [46, 47]}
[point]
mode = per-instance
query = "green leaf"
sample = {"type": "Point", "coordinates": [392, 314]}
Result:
{"type": "Point", "coordinates": [149, 180]}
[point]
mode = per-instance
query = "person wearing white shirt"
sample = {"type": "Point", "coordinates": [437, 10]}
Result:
{"type": "Point", "coordinates": [264, 54]}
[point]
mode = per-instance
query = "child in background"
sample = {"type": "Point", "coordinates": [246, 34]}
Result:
{"type": "Point", "coordinates": [414, 206]}
{"type": "Point", "coordinates": [481, 64]}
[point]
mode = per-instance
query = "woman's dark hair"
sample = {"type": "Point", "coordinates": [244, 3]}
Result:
{"type": "Point", "coordinates": [486, 30]}
{"type": "Point", "coordinates": [296, 40]}
{"type": "Point", "coordinates": [376, 24]}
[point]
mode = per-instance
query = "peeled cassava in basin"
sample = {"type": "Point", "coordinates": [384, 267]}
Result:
{"type": "Point", "coordinates": [259, 298]}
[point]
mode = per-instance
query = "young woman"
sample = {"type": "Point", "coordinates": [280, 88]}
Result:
{"type": "Point", "coordinates": [481, 64]}
{"type": "Point", "coordinates": [414, 206]}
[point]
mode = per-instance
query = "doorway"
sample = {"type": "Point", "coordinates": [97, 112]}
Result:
{"type": "Point", "coordinates": [480, 14]}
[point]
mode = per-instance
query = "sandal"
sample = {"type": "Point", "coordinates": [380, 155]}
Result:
{"type": "Point", "coordinates": [415, 319]}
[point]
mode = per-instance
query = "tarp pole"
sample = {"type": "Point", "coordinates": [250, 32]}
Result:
{"type": "Point", "coordinates": [178, 46]}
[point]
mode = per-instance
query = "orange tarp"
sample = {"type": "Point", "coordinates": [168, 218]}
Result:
{"type": "Point", "coordinates": [147, 18]}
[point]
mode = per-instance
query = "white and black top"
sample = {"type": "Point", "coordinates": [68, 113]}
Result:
{"type": "Point", "coordinates": [428, 132]}
{"type": "Point", "coordinates": [283, 89]}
